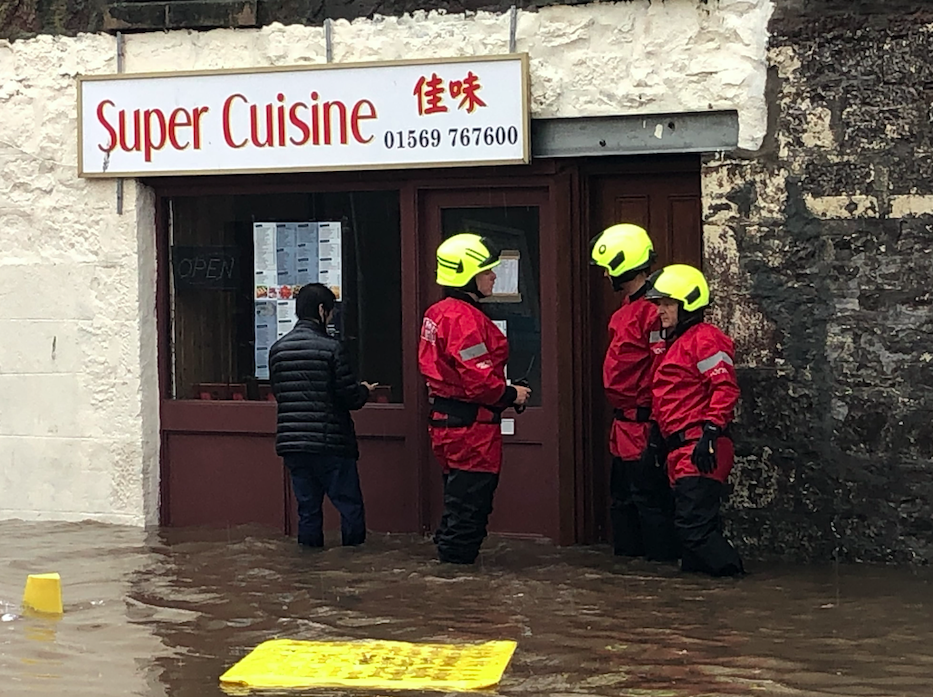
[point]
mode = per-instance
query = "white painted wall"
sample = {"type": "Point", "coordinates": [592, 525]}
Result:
{"type": "Point", "coordinates": [78, 378]}
{"type": "Point", "coordinates": [77, 294]}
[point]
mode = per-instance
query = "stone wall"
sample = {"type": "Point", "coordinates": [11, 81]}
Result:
{"type": "Point", "coordinates": [819, 245]}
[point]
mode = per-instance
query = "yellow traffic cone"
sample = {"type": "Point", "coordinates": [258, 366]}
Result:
{"type": "Point", "coordinates": [44, 593]}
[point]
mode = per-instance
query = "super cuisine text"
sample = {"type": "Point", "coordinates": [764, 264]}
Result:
{"type": "Point", "coordinates": [311, 120]}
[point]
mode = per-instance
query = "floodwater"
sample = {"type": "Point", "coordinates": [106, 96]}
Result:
{"type": "Point", "coordinates": [167, 612]}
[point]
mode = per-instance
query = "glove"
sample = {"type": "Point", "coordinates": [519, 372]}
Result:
{"type": "Point", "coordinates": [704, 452]}
{"type": "Point", "coordinates": [519, 408]}
{"type": "Point", "coordinates": [655, 454]}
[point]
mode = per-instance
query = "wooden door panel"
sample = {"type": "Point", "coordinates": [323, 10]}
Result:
{"type": "Point", "coordinates": [667, 205]}
{"type": "Point", "coordinates": [526, 487]}
{"type": "Point", "coordinates": [633, 209]}
{"type": "Point", "coordinates": [233, 479]}
{"type": "Point", "coordinates": [683, 230]}
{"type": "Point", "coordinates": [390, 484]}
{"type": "Point", "coordinates": [528, 497]}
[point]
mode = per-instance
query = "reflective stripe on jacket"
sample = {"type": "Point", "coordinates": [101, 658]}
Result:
{"type": "Point", "coordinates": [695, 381]}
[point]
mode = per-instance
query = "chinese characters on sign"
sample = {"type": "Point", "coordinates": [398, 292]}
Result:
{"type": "Point", "coordinates": [430, 91]}
{"type": "Point", "coordinates": [413, 114]}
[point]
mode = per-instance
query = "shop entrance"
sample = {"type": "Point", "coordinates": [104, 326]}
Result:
{"type": "Point", "coordinates": [217, 424]}
{"type": "Point", "coordinates": [519, 222]}
{"type": "Point", "coordinates": [664, 198]}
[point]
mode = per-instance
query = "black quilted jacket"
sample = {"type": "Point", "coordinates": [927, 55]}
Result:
{"type": "Point", "coordinates": [316, 390]}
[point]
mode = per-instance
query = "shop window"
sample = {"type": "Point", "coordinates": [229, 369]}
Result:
{"type": "Point", "coordinates": [515, 304]}
{"type": "Point", "coordinates": [216, 293]}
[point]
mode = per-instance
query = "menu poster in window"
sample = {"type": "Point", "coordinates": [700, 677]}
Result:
{"type": "Point", "coordinates": [266, 334]}
{"type": "Point", "coordinates": [286, 319]}
{"type": "Point", "coordinates": [288, 256]}
{"type": "Point", "coordinates": [330, 257]}
{"type": "Point", "coordinates": [307, 256]}
{"type": "Point", "coordinates": [264, 257]}
{"type": "Point", "coordinates": [286, 253]}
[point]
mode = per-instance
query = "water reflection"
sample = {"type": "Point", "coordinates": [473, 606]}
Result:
{"type": "Point", "coordinates": [165, 613]}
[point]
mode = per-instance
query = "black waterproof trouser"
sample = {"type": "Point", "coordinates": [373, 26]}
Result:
{"type": "Point", "coordinates": [642, 511]}
{"type": "Point", "coordinates": [699, 526]}
{"type": "Point", "coordinates": [467, 505]}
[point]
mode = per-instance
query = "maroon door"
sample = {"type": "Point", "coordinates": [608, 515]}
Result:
{"type": "Point", "coordinates": [519, 221]}
{"type": "Point", "coordinates": [668, 206]}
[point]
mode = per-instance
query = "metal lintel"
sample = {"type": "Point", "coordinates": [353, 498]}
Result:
{"type": "Point", "coordinates": [643, 134]}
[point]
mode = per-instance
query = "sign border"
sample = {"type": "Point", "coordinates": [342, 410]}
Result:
{"type": "Point", "coordinates": [526, 144]}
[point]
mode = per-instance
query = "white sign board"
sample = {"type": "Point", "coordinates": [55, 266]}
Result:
{"type": "Point", "coordinates": [452, 112]}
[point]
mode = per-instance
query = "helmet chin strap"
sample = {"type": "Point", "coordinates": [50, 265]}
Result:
{"type": "Point", "coordinates": [619, 281]}
{"type": "Point", "coordinates": [471, 287]}
{"type": "Point", "coordinates": [685, 320]}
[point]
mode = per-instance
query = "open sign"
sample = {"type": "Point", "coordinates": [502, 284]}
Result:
{"type": "Point", "coordinates": [214, 268]}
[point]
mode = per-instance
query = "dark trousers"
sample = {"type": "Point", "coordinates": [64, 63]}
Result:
{"type": "Point", "coordinates": [312, 477]}
{"type": "Point", "coordinates": [642, 511]}
{"type": "Point", "coordinates": [697, 501]}
{"type": "Point", "coordinates": [467, 506]}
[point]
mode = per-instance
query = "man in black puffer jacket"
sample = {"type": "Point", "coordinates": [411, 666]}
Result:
{"type": "Point", "coordinates": [316, 390]}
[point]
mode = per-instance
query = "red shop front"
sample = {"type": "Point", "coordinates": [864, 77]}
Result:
{"type": "Point", "coordinates": [218, 461]}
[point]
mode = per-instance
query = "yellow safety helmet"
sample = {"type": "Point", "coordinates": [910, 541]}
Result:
{"type": "Point", "coordinates": [682, 283]}
{"type": "Point", "coordinates": [462, 257]}
{"type": "Point", "coordinates": [623, 250]}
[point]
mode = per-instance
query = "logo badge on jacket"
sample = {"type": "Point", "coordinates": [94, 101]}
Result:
{"type": "Point", "coordinates": [429, 330]}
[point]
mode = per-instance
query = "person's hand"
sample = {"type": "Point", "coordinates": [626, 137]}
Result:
{"type": "Point", "coordinates": [369, 385]}
{"type": "Point", "coordinates": [704, 452]}
{"type": "Point", "coordinates": [655, 453]}
{"type": "Point", "coordinates": [522, 394]}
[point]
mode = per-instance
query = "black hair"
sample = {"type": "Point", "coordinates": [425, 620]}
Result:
{"type": "Point", "coordinates": [312, 296]}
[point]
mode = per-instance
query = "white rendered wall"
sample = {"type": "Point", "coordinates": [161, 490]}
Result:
{"type": "Point", "coordinates": [78, 377]}
{"type": "Point", "coordinates": [78, 431]}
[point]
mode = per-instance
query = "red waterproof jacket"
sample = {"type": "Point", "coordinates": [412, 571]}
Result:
{"type": "Point", "coordinates": [462, 355]}
{"type": "Point", "coordinates": [635, 349]}
{"type": "Point", "coordinates": [695, 382]}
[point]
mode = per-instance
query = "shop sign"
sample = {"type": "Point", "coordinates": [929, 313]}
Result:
{"type": "Point", "coordinates": [442, 113]}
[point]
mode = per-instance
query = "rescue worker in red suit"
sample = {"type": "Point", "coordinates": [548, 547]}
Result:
{"type": "Point", "coordinates": [694, 396]}
{"type": "Point", "coordinates": [641, 504]}
{"type": "Point", "coordinates": [462, 356]}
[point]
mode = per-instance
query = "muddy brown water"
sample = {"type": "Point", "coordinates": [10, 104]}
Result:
{"type": "Point", "coordinates": [167, 612]}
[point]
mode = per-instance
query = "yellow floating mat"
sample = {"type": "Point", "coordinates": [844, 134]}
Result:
{"type": "Point", "coordinates": [392, 665]}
